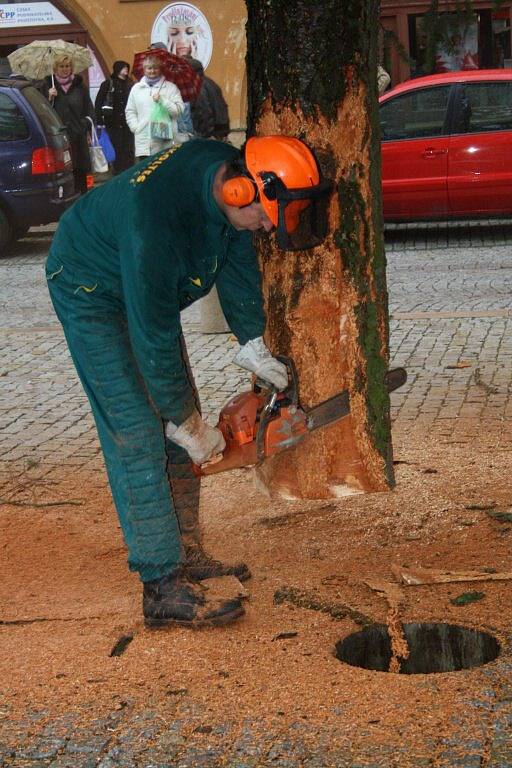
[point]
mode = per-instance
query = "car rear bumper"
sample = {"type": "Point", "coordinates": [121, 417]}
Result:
{"type": "Point", "coordinates": [42, 205]}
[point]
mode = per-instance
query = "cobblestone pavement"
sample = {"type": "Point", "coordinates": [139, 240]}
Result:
{"type": "Point", "coordinates": [451, 328]}
{"type": "Point", "coordinates": [124, 740]}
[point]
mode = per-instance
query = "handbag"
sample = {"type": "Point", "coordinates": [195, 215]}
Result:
{"type": "Point", "coordinates": [107, 108]}
{"type": "Point", "coordinates": [106, 145]}
{"type": "Point", "coordinates": [160, 123]}
{"type": "Point", "coordinates": [98, 160]}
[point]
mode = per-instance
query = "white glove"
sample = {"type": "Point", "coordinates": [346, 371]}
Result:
{"type": "Point", "coordinates": [200, 441]}
{"type": "Point", "coordinates": [256, 357]}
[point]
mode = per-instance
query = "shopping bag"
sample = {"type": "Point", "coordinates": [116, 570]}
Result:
{"type": "Point", "coordinates": [98, 160]}
{"type": "Point", "coordinates": [106, 145]}
{"type": "Point", "coordinates": [160, 122]}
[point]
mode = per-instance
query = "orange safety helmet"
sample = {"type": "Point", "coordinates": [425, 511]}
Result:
{"type": "Point", "coordinates": [282, 174]}
{"type": "Point", "coordinates": [292, 161]}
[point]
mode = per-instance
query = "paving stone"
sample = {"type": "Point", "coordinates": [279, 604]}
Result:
{"type": "Point", "coordinates": [316, 761]}
{"type": "Point", "coordinates": [158, 765]}
{"type": "Point", "coordinates": [197, 758]}
{"type": "Point", "coordinates": [41, 749]}
{"type": "Point", "coordinates": [23, 763]}
{"type": "Point", "coordinates": [107, 762]}
{"type": "Point", "coordinates": [73, 761]}
{"type": "Point", "coordinates": [87, 744]}
{"type": "Point", "coordinates": [500, 758]}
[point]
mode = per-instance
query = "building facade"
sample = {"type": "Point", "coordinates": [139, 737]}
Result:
{"type": "Point", "coordinates": [482, 41]}
{"type": "Point", "coordinates": [214, 31]}
{"type": "Point", "coordinates": [116, 29]}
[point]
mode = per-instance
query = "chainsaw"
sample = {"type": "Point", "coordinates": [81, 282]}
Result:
{"type": "Point", "coordinates": [262, 422]}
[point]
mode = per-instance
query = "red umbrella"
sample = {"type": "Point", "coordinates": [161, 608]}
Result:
{"type": "Point", "coordinates": [175, 69]}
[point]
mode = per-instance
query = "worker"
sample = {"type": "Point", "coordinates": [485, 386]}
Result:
{"type": "Point", "coordinates": [125, 260]}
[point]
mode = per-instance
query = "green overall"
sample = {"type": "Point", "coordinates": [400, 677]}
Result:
{"type": "Point", "coordinates": [125, 260]}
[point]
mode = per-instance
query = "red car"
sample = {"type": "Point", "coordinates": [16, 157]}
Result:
{"type": "Point", "coordinates": [447, 146]}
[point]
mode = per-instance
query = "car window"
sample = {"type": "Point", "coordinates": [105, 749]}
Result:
{"type": "Point", "coordinates": [49, 119]}
{"type": "Point", "coordinates": [416, 114]}
{"type": "Point", "coordinates": [484, 107]}
{"type": "Point", "coordinates": [13, 125]}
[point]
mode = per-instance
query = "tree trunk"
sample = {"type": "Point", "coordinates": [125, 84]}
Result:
{"type": "Point", "coordinates": [312, 74]}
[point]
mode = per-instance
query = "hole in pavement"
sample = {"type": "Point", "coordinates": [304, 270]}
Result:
{"type": "Point", "coordinates": [432, 647]}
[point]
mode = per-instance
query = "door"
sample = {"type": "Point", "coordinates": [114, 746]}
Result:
{"type": "Point", "coordinates": [480, 159]}
{"type": "Point", "coordinates": [415, 145]}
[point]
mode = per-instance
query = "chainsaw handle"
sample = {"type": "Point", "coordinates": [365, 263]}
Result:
{"type": "Point", "coordinates": [291, 392]}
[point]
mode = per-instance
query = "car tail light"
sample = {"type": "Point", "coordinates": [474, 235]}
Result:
{"type": "Point", "coordinates": [47, 160]}
{"type": "Point", "coordinates": [89, 181]}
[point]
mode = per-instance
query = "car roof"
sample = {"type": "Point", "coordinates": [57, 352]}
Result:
{"type": "Point", "coordinates": [446, 78]}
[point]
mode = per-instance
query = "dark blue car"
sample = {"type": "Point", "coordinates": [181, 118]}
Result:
{"type": "Point", "coordinates": [36, 172]}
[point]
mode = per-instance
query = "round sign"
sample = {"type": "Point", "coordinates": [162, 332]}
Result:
{"type": "Point", "coordinates": [185, 31]}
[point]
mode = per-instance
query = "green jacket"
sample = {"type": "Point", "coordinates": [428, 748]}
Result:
{"type": "Point", "coordinates": [155, 240]}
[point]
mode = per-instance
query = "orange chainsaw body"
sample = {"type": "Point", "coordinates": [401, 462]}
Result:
{"type": "Point", "coordinates": [260, 423]}
{"type": "Point", "coordinates": [256, 426]}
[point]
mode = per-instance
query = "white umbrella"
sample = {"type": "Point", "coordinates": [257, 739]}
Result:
{"type": "Point", "coordinates": [37, 58]}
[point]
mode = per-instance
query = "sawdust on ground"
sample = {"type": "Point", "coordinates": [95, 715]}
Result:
{"type": "Point", "coordinates": [64, 578]}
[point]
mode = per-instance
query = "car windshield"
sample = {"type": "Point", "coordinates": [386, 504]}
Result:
{"type": "Point", "coordinates": [49, 119]}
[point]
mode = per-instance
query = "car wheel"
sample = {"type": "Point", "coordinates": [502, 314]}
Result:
{"type": "Point", "coordinates": [5, 231]}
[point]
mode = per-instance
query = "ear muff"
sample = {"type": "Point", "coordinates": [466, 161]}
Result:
{"type": "Point", "coordinates": [239, 191]}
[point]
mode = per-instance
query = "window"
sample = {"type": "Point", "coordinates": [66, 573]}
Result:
{"type": "Point", "coordinates": [415, 115]}
{"type": "Point", "coordinates": [12, 123]}
{"type": "Point", "coordinates": [484, 107]}
{"type": "Point", "coordinates": [44, 110]}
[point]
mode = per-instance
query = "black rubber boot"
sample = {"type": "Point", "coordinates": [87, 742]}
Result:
{"type": "Point", "coordinates": [175, 601]}
{"type": "Point", "coordinates": [199, 565]}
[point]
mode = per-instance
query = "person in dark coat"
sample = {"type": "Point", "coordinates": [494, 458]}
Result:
{"type": "Point", "coordinates": [110, 108]}
{"type": "Point", "coordinates": [210, 111]}
{"type": "Point", "coordinates": [70, 98]}
{"type": "Point", "coordinates": [219, 107]}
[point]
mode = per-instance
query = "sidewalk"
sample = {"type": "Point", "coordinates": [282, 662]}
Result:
{"type": "Point", "coordinates": [450, 328]}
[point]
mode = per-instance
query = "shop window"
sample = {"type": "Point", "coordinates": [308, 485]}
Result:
{"type": "Point", "coordinates": [12, 123]}
{"type": "Point", "coordinates": [415, 115]}
{"type": "Point", "coordinates": [465, 40]}
{"type": "Point", "coordinates": [485, 107]}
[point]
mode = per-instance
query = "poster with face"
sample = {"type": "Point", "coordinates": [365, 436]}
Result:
{"type": "Point", "coordinates": [185, 31]}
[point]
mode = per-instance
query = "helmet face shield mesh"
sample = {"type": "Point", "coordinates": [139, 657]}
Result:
{"type": "Point", "coordinates": [299, 229]}
{"type": "Point", "coordinates": [301, 213]}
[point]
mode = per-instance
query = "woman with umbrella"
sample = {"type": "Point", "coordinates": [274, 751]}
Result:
{"type": "Point", "coordinates": [70, 98]}
{"type": "Point", "coordinates": [152, 89]}
{"type": "Point", "coordinates": [110, 108]}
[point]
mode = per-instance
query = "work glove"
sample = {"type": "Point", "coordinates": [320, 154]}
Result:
{"type": "Point", "coordinates": [200, 441]}
{"type": "Point", "coordinates": [256, 357]}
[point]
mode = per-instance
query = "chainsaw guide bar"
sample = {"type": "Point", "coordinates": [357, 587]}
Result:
{"type": "Point", "coordinates": [339, 406]}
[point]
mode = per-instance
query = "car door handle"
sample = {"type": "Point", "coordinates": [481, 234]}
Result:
{"type": "Point", "coordinates": [431, 152]}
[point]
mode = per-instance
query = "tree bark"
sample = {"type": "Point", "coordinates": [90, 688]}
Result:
{"type": "Point", "coordinates": [311, 69]}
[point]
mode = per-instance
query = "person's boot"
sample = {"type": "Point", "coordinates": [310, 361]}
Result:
{"type": "Point", "coordinates": [199, 565]}
{"type": "Point", "coordinates": [185, 488]}
{"type": "Point", "coordinates": [175, 601]}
